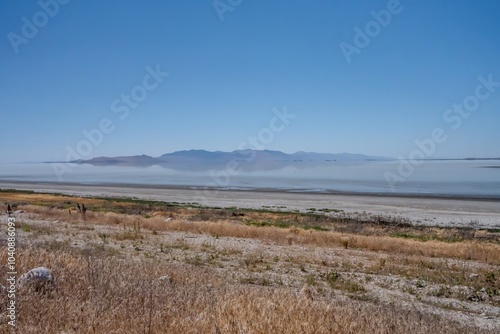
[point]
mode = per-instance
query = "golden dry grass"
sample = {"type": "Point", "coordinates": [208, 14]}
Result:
{"type": "Point", "coordinates": [107, 295]}
{"type": "Point", "coordinates": [468, 250]}
{"type": "Point", "coordinates": [100, 291]}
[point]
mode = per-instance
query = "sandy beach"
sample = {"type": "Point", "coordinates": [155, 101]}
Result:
{"type": "Point", "coordinates": [438, 211]}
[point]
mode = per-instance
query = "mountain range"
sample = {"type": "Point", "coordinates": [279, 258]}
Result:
{"type": "Point", "coordinates": [251, 159]}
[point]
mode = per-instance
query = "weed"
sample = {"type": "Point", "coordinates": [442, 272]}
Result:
{"type": "Point", "coordinates": [489, 277]}
{"type": "Point", "coordinates": [332, 277]}
{"type": "Point", "coordinates": [310, 280]}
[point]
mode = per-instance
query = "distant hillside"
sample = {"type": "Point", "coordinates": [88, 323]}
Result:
{"type": "Point", "coordinates": [312, 156]}
{"type": "Point", "coordinates": [200, 159]}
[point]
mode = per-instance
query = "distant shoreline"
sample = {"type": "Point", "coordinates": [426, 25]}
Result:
{"type": "Point", "coordinates": [89, 161]}
{"type": "Point", "coordinates": [444, 211]}
{"type": "Point", "coordinates": [325, 192]}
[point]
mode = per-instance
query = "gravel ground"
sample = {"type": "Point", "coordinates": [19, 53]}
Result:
{"type": "Point", "coordinates": [261, 262]}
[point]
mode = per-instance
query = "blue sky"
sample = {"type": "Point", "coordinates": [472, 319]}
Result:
{"type": "Point", "coordinates": [227, 76]}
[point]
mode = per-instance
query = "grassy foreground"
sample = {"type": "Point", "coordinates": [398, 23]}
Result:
{"type": "Point", "coordinates": [130, 266]}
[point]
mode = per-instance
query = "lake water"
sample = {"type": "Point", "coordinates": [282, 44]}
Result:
{"type": "Point", "coordinates": [467, 178]}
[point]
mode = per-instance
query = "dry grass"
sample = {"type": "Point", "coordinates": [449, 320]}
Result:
{"type": "Point", "coordinates": [102, 295]}
{"type": "Point", "coordinates": [467, 250]}
{"type": "Point", "coordinates": [103, 290]}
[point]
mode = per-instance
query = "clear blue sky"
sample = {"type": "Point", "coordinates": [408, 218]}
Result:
{"type": "Point", "coordinates": [226, 76]}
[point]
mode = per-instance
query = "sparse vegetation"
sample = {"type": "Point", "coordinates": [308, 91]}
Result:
{"type": "Point", "coordinates": [103, 295]}
{"type": "Point", "coordinates": [237, 265]}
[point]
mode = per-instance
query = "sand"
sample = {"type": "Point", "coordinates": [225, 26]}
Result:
{"type": "Point", "coordinates": [431, 211]}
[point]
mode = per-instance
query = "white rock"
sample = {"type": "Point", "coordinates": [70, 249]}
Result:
{"type": "Point", "coordinates": [36, 279]}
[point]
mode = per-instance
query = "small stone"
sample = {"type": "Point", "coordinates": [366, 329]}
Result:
{"type": "Point", "coordinates": [473, 275]}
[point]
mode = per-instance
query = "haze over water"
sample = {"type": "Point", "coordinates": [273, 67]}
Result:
{"type": "Point", "coordinates": [454, 178]}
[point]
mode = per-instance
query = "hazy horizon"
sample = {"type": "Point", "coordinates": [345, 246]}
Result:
{"type": "Point", "coordinates": [221, 151]}
{"type": "Point", "coordinates": [400, 79]}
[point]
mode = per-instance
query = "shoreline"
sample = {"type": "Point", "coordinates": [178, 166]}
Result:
{"type": "Point", "coordinates": [438, 196]}
{"type": "Point", "coordinates": [421, 210]}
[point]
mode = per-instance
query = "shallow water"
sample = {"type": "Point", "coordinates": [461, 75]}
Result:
{"type": "Point", "coordinates": [467, 178]}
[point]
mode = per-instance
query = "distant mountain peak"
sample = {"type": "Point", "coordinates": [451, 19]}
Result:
{"type": "Point", "coordinates": [248, 156]}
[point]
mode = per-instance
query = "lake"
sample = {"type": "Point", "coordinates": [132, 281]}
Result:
{"type": "Point", "coordinates": [457, 178]}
